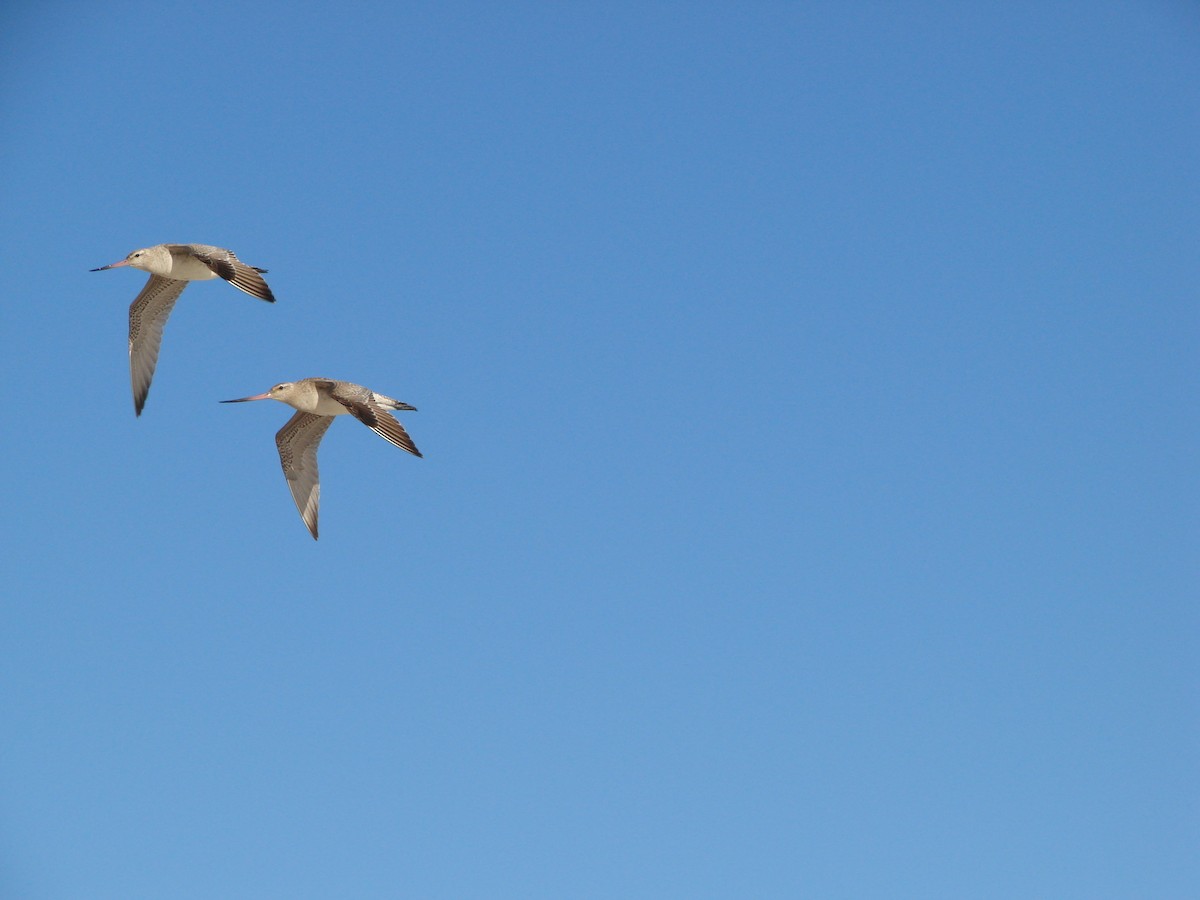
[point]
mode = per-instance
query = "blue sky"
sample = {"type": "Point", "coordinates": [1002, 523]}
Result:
{"type": "Point", "coordinates": [808, 397]}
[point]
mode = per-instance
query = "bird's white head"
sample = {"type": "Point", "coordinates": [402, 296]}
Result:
{"type": "Point", "coordinates": [281, 392]}
{"type": "Point", "coordinates": [143, 259]}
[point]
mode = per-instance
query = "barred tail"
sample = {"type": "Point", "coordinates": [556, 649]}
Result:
{"type": "Point", "coordinates": [389, 403]}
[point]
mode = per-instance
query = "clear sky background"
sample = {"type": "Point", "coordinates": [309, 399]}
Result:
{"type": "Point", "coordinates": [808, 395]}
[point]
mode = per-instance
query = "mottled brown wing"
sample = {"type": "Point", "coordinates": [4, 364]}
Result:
{"type": "Point", "coordinates": [147, 317]}
{"type": "Point", "coordinates": [389, 428]}
{"type": "Point", "coordinates": [297, 442]}
{"type": "Point", "coordinates": [226, 264]}
{"type": "Point", "coordinates": [376, 418]}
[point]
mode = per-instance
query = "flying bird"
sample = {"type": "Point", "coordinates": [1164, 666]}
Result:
{"type": "Point", "coordinates": [317, 401]}
{"type": "Point", "coordinates": [171, 267]}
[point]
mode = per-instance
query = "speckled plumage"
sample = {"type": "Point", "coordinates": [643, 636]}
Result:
{"type": "Point", "coordinates": [317, 401]}
{"type": "Point", "coordinates": [171, 267]}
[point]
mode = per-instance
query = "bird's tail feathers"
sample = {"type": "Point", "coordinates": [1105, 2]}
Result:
{"type": "Point", "coordinates": [389, 403]}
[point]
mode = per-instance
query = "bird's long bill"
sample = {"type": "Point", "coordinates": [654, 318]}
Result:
{"type": "Point", "coordinates": [115, 265]}
{"type": "Point", "coordinates": [266, 396]}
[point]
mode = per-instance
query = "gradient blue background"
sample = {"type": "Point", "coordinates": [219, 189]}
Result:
{"type": "Point", "coordinates": [808, 394]}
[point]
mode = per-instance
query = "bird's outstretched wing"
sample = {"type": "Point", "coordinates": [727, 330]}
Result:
{"type": "Point", "coordinates": [226, 264]}
{"type": "Point", "coordinates": [147, 317]}
{"type": "Point", "coordinates": [375, 417]}
{"type": "Point", "coordinates": [297, 442]}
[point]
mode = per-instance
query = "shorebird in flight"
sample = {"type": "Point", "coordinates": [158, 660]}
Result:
{"type": "Point", "coordinates": [171, 267]}
{"type": "Point", "coordinates": [317, 401]}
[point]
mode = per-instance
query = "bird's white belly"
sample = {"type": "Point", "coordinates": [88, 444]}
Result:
{"type": "Point", "coordinates": [188, 268]}
{"type": "Point", "coordinates": [319, 406]}
{"type": "Point", "coordinates": [326, 406]}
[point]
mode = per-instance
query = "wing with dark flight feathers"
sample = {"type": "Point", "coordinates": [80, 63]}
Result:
{"type": "Point", "coordinates": [297, 442]}
{"type": "Point", "coordinates": [147, 317]}
{"type": "Point", "coordinates": [226, 264]}
{"type": "Point", "coordinates": [375, 417]}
